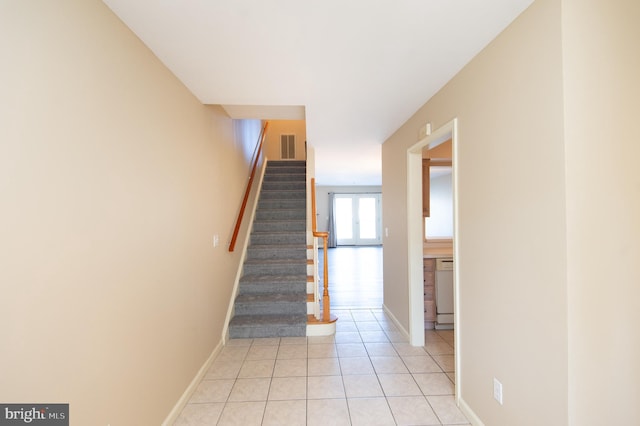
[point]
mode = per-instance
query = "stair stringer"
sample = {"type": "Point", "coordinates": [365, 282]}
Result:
{"type": "Point", "coordinates": [245, 244]}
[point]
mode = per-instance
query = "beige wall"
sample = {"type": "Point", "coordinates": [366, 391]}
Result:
{"type": "Point", "coordinates": [113, 181]}
{"type": "Point", "coordinates": [511, 235]}
{"type": "Point", "coordinates": [285, 127]}
{"type": "Point", "coordinates": [602, 106]}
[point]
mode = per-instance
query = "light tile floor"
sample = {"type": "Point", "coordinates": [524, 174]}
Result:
{"type": "Point", "coordinates": [367, 374]}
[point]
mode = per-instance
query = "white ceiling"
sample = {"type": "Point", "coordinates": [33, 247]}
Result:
{"type": "Point", "coordinates": [357, 69]}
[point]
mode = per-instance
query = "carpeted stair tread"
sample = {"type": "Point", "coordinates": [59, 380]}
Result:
{"type": "Point", "coordinates": [281, 204]}
{"type": "Point", "coordinates": [253, 326]}
{"type": "Point", "coordinates": [282, 287]}
{"type": "Point", "coordinates": [284, 319]}
{"type": "Point", "coordinates": [273, 277]}
{"type": "Point", "coordinates": [271, 251]}
{"type": "Point", "coordinates": [285, 177]}
{"type": "Point", "coordinates": [282, 194]}
{"type": "Point", "coordinates": [277, 233]}
{"type": "Point", "coordinates": [278, 237]}
{"type": "Point", "coordinates": [281, 214]}
{"type": "Point", "coordinates": [272, 298]}
{"type": "Point", "coordinates": [270, 304]}
{"type": "Point", "coordinates": [276, 246]}
{"type": "Point", "coordinates": [264, 225]}
{"type": "Point", "coordinates": [261, 284]}
{"type": "Point", "coordinates": [286, 261]}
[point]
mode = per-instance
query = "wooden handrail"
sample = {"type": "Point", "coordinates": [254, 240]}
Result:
{"type": "Point", "coordinates": [326, 310]}
{"type": "Point", "coordinates": [257, 151]}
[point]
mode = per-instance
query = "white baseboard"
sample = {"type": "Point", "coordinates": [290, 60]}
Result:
{"type": "Point", "coordinates": [471, 415]}
{"type": "Point", "coordinates": [321, 329]}
{"type": "Point", "coordinates": [402, 330]}
{"type": "Point", "coordinates": [177, 409]}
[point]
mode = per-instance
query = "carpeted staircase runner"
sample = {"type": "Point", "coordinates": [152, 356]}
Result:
{"type": "Point", "coordinates": [272, 295]}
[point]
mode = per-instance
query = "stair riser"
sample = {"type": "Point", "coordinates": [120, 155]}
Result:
{"type": "Point", "coordinates": [279, 170]}
{"type": "Point", "coordinates": [270, 308]}
{"type": "Point", "coordinates": [283, 195]}
{"type": "Point", "coordinates": [278, 238]}
{"type": "Point", "coordinates": [274, 269]}
{"type": "Point", "coordinates": [275, 204]}
{"type": "Point", "coordinates": [258, 332]}
{"type": "Point", "coordinates": [276, 253]}
{"type": "Point", "coordinates": [287, 163]}
{"type": "Point", "coordinates": [266, 288]}
{"type": "Point", "coordinates": [279, 226]}
{"type": "Point", "coordinates": [284, 186]}
{"type": "Point", "coordinates": [285, 177]}
{"type": "Point", "coordinates": [281, 214]}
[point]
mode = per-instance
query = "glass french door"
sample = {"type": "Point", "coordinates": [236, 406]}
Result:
{"type": "Point", "coordinates": [358, 219]}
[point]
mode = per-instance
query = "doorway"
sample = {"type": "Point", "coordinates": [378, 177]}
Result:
{"type": "Point", "coordinates": [357, 219]}
{"type": "Point", "coordinates": [415, 224]}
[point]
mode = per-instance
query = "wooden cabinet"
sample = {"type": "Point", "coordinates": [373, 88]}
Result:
{"type": "Point", "coordinates": [429, 293]}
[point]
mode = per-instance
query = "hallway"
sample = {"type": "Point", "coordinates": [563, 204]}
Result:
{"type": "Point", "coordinates": [355, 276]}
{"type": "Point", "coordinates": [367, 374]}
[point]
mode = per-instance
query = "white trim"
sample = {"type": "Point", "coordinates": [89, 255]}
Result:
{"type": "Point", "coordinates": [236, 283]}
{"type": "Point", "coordinates": [469, 413]}
{"type": "Point", "coordinates": [324, 329]}
{"type": "Point", "coordinates": [415, 246]}
{"type": "Point", "coordinates": [415, 226]}
{"type": "Point", "coordinates": [395, 321]}
{"type": "Point", "coordinates": [415, 238]}
{"type": "Point", "coordinates": [456, 265]}
{"type": "Point", "coordinates": [186, 395]}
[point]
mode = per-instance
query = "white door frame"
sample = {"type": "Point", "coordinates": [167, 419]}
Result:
{"type": "Point", "coordinates": [415, 236]}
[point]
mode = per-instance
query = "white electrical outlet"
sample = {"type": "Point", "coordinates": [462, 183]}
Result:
{"type": "Point", "coordinates": [216, 240]}
{"type": "Point", "coordinates": [497, 390]}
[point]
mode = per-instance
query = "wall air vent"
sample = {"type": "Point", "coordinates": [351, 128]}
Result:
{"type": "Point", "coordinates": [288, 147]}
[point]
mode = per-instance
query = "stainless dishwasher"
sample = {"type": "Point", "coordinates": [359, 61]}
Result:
{"type": "Point", "coordinates": [444, 294]}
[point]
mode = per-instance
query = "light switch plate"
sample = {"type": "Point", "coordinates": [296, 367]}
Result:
{"type": "Point", "coordinates": [497, 390]}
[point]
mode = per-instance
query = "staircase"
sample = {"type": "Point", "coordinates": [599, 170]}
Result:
{"type": "Point", "coordinates": [272, 294]}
